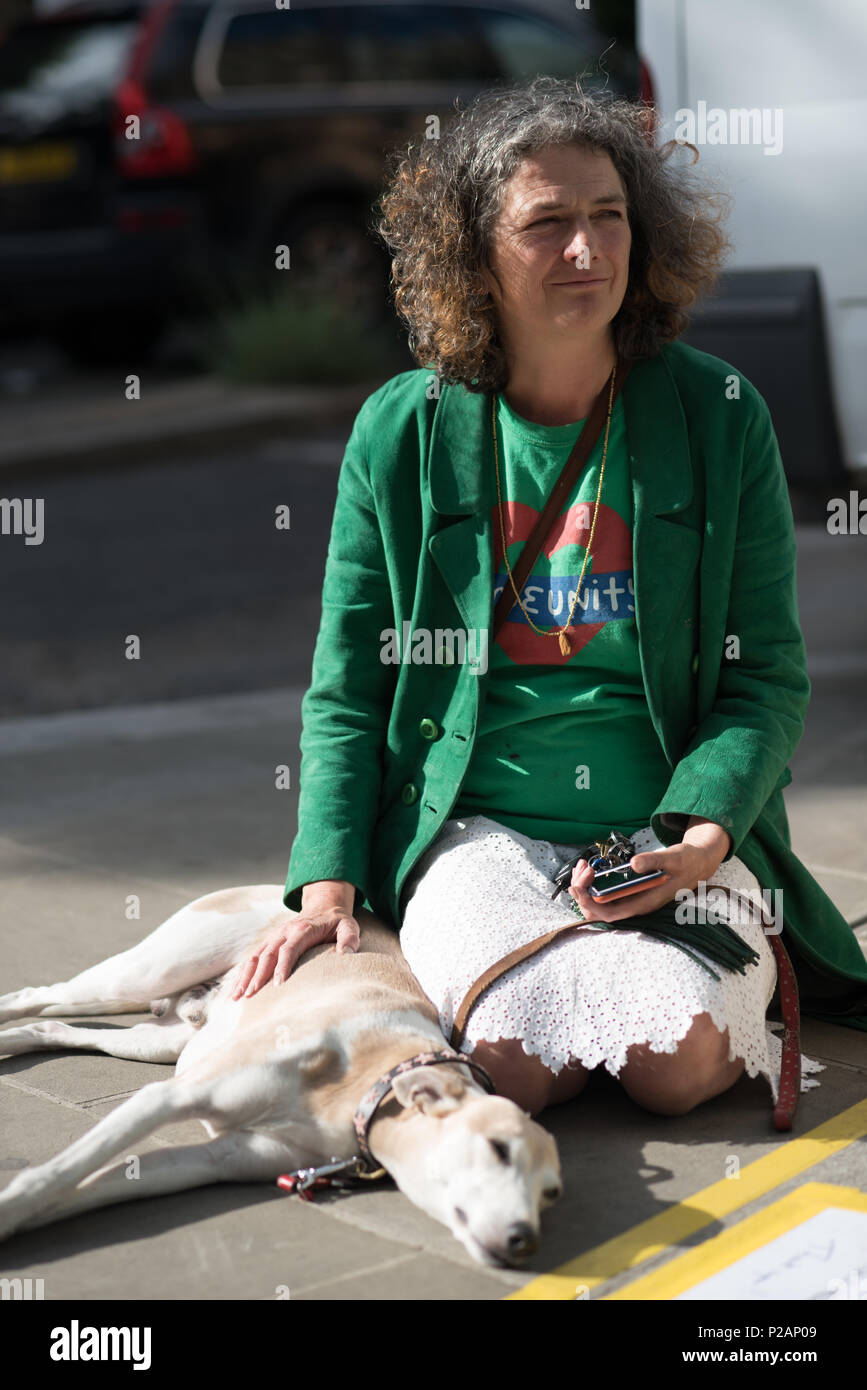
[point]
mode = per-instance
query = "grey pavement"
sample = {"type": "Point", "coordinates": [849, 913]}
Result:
{"type": "Point", "coordinates": [169, 802]}
{"type": "Point", "coordinates": [89, 419]}
{"type": "Point", "coordinates": [160, 803]}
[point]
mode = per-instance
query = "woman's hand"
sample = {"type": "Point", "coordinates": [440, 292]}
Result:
{"type": "Point", "coordinates": [285, 943]}
{"type": "Point", "coordinates": [698, 856]}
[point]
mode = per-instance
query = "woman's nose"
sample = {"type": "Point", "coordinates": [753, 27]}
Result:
{"type": "Point", "coordinates": [579, 249]}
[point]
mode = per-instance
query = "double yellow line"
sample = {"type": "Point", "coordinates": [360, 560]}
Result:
{"type": "Point", "coordinates": [676, 1223]}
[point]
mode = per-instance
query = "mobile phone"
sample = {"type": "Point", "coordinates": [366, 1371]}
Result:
{"type": "Point", "coordinates": [621, 880]}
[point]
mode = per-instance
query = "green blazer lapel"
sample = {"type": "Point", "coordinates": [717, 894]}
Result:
{"type": "Point", "coordinates": [666, 550]}
{"type": "Point", "coordinates": [460, 476]}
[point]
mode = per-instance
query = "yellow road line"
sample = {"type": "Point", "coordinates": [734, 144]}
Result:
{"type": "Point", "coordinates": [757, 1230]}
{"type": "Point", "coordinates": [653, 1236]}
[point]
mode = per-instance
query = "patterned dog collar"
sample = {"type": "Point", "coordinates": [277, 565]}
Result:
{"type": "Point", "coordinates": [379, 1090]}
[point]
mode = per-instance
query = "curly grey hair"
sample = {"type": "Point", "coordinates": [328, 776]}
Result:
{"type": "Point", "coordinates": [444, 196]}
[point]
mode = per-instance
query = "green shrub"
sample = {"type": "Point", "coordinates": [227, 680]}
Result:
{"type": "Point", "coordinates": [311, 339]}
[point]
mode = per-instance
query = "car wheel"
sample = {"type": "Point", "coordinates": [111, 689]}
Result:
{"type": "Point", "coordinates": [332, 252]}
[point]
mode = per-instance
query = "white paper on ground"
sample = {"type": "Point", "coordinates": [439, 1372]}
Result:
{"type": "Point", "coordinates": [824, 1257]}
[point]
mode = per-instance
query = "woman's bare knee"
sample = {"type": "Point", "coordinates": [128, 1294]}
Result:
{"type": "Point", "coordinates": [568, 1083]}
{"type": "Point", "coordinates": [675, 1083]}
{"type": "Point", "coordinates": [525, 1079]}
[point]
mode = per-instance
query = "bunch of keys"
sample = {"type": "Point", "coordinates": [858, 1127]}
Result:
{"type": "Point", "coordinates": [613, 875]}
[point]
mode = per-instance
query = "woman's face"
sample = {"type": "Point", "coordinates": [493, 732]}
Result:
{"type": "Point", "coordinates": [563, 219]}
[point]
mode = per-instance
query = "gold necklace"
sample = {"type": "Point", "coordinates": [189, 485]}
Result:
{"type": "Point", "coordinates": [565, 644]}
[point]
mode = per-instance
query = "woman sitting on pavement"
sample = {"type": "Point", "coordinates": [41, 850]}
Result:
{"type": "Point", "coordinates": [649, 677]}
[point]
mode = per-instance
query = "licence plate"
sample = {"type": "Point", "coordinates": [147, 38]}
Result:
{"type": "Point", "coordinates": [37, 163]}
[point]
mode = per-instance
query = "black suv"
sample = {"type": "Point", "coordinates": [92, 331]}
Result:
{"type": "Point", "coordinates": [148, 150]}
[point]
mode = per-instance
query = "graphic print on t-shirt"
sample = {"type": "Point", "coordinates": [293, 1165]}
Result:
{"type": "Point", "coordinates": [607, 593]}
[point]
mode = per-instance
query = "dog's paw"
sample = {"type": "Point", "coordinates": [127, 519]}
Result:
{"type": "Point", "coordinates": [11, 1213]}
{"type": "Point", "coordinates": [33, 1037]}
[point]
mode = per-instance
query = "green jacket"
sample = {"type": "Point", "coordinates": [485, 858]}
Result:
{"type": "Point", "coordinates": [385, 746]}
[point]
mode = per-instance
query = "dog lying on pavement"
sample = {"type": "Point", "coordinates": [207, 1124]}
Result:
{"type": "Point", "coordinates": [276, 1079]}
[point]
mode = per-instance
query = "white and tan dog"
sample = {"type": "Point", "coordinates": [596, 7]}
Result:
{"type": "Point", "coordinates": [276, 1079]}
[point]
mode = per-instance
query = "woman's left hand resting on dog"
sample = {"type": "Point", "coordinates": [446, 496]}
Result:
{"type": "Point", "coordinates": [696, 859]}
{"type": "Point", "coordinates": [326, 915]}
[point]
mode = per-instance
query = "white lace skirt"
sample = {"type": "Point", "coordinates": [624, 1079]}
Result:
{"type": "Point", "coordinates": [482, 889]}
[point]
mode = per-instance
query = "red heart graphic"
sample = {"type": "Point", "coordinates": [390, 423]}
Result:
{"type": "Point", "coordinates": [612, 550]}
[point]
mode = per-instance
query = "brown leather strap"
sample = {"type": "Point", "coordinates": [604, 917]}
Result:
{"type": "Point", "coordinates": [499, 968]}
{"type": "Point", "coordinates": [579, 455]}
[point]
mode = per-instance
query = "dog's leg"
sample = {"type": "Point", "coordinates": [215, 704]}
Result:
{"type": "Point", "coordinates": [241, 1157]}
{"type": "Point", "coordinates": [144, 1042]}
{"type": "Point", "coordinates": [202, 940]}
{"type": "Point", "coordinates": [160, 1103]}
{"type": "Point", "coordinates": [232, 1101]}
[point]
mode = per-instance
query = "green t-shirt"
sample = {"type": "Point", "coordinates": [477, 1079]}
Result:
{"type": "Point", "coordinates": [566, 750]}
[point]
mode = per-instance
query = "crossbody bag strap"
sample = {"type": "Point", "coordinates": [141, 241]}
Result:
{"type": "Point", "coordinates": [561, 490]}
{"type": "Point", "coordinates": [496, 970]}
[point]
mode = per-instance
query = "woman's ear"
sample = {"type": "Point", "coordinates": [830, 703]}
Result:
{"type": "Point", "coordinates": [491, 283]}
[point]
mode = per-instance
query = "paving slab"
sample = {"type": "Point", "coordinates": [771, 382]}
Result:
{"type": "Point", "coordinates": [143, 816]}
{"type": "Point", "coordinates": [83, 918]}
{"type": "Point", "coordinates": [234, 1243]}
{"type": "Point", "coordinates": [33, 1128]}
{"type": "Point", "coordinates": [425, 1277]}
{"type": "Point", "coordinates": [80, 1077]}
{"type": "Point", "coordinates": [828, 1043]}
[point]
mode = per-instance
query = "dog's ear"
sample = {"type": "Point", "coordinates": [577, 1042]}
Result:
{"type": "Point", "coordinates": [433, 1090]}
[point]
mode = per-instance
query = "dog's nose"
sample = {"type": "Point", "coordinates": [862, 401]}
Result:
{"type": "Point", "coordinates": [522, 1239]}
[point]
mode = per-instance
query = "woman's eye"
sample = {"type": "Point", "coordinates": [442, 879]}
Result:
{"type": "Point", "coordinates": [607, 212]}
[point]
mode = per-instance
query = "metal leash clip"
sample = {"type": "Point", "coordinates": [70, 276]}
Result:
{"type": "Point", "coordinates": [340, 1172]}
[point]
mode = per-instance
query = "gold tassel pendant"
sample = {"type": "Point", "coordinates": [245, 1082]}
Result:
{"type": "Point", "coordinates": [565, 644]}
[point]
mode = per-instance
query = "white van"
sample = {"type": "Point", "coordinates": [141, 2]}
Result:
{"type": "Point", "coordinates": [774, 96]}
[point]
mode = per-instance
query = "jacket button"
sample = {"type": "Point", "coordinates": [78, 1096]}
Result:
{"type": "Point", "coordinates": [428, 729]}
{"type": "Point", "coordinates": [695, 664]}
{"type": "Point", "coordinates": [409, 794]}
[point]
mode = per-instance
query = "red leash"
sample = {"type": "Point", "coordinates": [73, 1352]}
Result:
{"type": "Point", "coordinates": [790, 1070]}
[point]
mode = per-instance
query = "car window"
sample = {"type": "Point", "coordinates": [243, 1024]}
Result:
{"type": "Point", "coordinates": [170, 63]}
{"type": "Point", "coordinates": [53, 70]}
{"type": "Point", "coordinates": [390, 44]}
{"type": "Point", "coordinates": [525, 45]}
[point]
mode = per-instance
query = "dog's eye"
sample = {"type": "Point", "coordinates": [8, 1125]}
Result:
{"type": "Point", "coordinates": [552, 1193]}
{"type": "Point", "coordinates": [501, 1149]}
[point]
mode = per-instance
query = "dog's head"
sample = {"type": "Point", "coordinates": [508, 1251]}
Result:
{"type": "Point", "coordinates": [483, 1167]}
